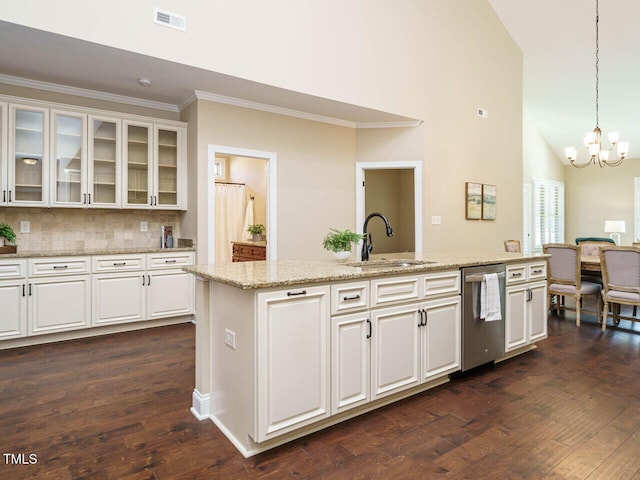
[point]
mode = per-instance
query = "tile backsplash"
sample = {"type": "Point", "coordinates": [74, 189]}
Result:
{"type": "Point", "coordinates": [61, 229]}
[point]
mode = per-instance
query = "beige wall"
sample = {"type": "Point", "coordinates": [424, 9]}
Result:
{"type": "Point", "coordinates": [594, 195]}
{"type": "Point", "coordinates": [539, 159]}
{"type": "Point", "coordinates": [315, 173]}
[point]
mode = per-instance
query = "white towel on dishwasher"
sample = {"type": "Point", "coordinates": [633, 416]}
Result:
{"type": "Point", "coordinates": [490, 298]}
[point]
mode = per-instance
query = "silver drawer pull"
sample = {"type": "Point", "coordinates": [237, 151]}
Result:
{"type": "Point", "coordinates": [119, 264]}
{"type": "Point", "coordinates": [353, 297]}
{"type": "Point", "coordinates": [60, 267]}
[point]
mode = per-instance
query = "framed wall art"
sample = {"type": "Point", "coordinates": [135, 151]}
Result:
{"type": "Point", "coordinates": [488, 202]}
{"type": "Point", "coordinates": [473, 201]}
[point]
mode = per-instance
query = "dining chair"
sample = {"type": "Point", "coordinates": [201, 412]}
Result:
{"type": "Point", "coordinates": [564, 279]}
{"type": "Point", "coordinates": [512, 246]}
{"type": "Point", "coordinates": [621, 280]}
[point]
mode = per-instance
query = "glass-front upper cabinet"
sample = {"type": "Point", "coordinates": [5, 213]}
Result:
{"type": "Point", "coordinates": [4, 167]}
{"type": "Point", "coordinates": [69, 171]}
{"type": "Point", "coordinates": [27, 182]}
{"type": "Point", "coordinates": [104, 162]}
{"type": "Point", "coordinates": [138, 161]}
{"type": "Point", "coordinates": [167, 175]}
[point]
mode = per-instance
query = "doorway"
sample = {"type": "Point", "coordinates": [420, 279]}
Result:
{"type": "Point", "coordinates": [395, 190]}
{"type": "Point", "coordinates": [221, 167]}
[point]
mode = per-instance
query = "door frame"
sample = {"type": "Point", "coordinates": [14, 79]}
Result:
{"type": "Point", "coordinates": [270, 158]}
{"type": "Point", "coordinates": [417, 194]}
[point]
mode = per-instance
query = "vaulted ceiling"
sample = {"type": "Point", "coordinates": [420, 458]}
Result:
{"type": "Point", "coordinates": [557, 39]}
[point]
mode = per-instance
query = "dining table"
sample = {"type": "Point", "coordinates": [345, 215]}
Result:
{"type": "Point", "coordinates": [590, 263]}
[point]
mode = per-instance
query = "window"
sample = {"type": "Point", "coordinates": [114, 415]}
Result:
{"type": "Point", "coordinates": [548, 213]}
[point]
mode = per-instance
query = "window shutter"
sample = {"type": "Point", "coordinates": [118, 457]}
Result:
{"type": "Point", "coordinates": [548, 204]}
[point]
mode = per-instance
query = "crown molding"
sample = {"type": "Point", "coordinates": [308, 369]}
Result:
{"type": "Point", "coordinates": [238, 102]}
{"type": "Point", "coordinates": [82, 92]}
{"type": "Point", "coordinates": [402, 124]}
{"type": "Point", "coordinates": [212, 97]}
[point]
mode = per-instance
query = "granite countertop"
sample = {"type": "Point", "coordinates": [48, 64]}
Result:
{"type": "Point", "coordinates": [264, 274]}
{"type": "Point", "coordinates": [92, 251]}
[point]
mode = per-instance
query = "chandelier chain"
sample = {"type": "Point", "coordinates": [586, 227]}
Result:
{"type": "Point", "coordinates": [597, 65]}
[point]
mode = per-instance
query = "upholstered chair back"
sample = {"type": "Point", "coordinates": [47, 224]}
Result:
{"type": "Point", "coordinates": [564, 263]}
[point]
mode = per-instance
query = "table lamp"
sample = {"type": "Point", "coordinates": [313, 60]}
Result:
{"type": "Point", "coordinates": [614, 228]}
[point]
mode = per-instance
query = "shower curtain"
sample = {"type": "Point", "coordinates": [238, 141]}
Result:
{"type": "Point", "coordinates": [229, 215]}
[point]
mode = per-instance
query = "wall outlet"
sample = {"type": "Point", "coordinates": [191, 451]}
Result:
{"type": "Point", "coordinates": [144, 227]}
{"type": "Point", "coordinates": [230, 338]}
{"type": "Point", "coordinates": [436, 220]}
{"type": "Point", "coordinates": [25, 227]}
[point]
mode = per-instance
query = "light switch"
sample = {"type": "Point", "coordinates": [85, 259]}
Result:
{"type": "Point", "coordinates": [25, 227]}
{"type": "Point", "coordinates": [436, 220]}
{"type": "Point", "coordinates": [144, 227]}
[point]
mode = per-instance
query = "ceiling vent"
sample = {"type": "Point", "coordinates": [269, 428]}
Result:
{"type": "Point", "coordinates": [169, 19]}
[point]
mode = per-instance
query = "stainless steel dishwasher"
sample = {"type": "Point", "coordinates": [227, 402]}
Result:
{"type": "Point", "coordinates": [482, 341]}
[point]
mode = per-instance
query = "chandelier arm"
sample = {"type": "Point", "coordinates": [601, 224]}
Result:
{"type": "Point", "coordinates": [580, 165]}
{"type": "Point", "coordinates": [613, 164]}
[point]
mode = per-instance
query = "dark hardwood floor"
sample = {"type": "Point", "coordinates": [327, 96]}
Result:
{"type": "Point", "coordinates": [117, 407]}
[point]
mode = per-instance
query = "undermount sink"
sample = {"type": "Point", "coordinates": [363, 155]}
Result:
{"type": "Point", "coordinates": [380, 264]}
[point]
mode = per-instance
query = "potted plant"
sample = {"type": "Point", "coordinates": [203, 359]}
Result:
{"type": "Point", "coordinates": [256, 231]}
{"type": "Point", "coordinates": [6, 234]}
{"type": "Point", "coordinates": [340, 242]}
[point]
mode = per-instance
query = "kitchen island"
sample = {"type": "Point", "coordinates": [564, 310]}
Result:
{"type": "Point", "coordinates": [286, 348]}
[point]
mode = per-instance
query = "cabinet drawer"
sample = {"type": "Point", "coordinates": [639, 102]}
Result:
{"type": "Point", "coordinates": [13, 269]}
{"type": "Point", "coordinates": [157, 261]}
{"type": "Point", "coordinates": [118, 263]}
{"type": "Point", "coordinates": [386, 291]}
{"type": "Point", "coordinates": [40, 267]}
{"type": "Point", "coordinates": [537, 271]}
{"type": "Point", "coordinates": [516, 274]}
{"type": "Point", "coordinates": [349, 297]}
{"type": "Point", "coordinates": [441, 283]}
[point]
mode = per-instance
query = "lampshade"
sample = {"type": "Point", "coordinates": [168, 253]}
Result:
{"type": "Point", "coordinates": [614, 226]}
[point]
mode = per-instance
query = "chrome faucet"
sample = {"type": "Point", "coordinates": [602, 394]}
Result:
{"type": "Point", "coordinates": [367, 245]}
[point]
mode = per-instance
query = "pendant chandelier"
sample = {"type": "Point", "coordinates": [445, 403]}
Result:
{"type": "Point", "coordinates": [593, 140]}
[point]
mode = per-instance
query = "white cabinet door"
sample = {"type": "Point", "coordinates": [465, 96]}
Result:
{"type": "Point", "coordinates": [119, 298]}
{"type": "Point", "coordinates": [441, 337]}
{"type": "Point", "coordinates": [350, 361]}
{"type": "Point", "coordinates": [170, 293]}
{"type": "Point", "coordinates": [4, 166]}
{"type": "Point", "coordinates": [69, 164]}
{"type": "Point", "coordinates": [395, 349]}
{"type": "Point", "coordinates": [28, 173]}
{"type": "Point", "coordinates": [13, 314]}
{"type": "Point", "coordinates": [167, 167]}
{"type": "Point", "coordinates": [104, 188]}
{"type": "Point", "coordinates": [138, 164]}
{"type": "Point", "coordinates": [537, 311]}
{"type": "Point", "coordinates": [292, 360]}
{"type": "Point", "coordinates": [515, 317]}
{"type": "Point", "coordinates": [58, 304]}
